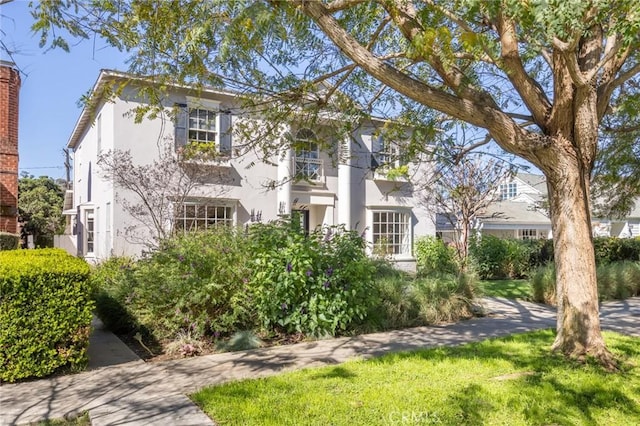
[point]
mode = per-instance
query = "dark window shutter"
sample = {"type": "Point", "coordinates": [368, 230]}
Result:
{"type": "Point", "coordinates": [181, 125]}
{"type": "Point", "coordinates": [225, 133]}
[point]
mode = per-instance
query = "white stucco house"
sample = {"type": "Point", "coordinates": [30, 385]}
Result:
{"type": "Point", "coordinates": [351, 189]}
{"type": "Point", "coordinates": [520, 212]}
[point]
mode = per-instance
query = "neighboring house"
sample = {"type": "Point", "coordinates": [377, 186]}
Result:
{"type": "Point", "coordinates": [520, 212]}
{"type": "Point", "coordinates": [353, 191]}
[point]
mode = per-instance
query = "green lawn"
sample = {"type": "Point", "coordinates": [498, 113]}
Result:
{"type": "Point", "coordinates": [508, 381]}
{"type": "Point", "coordinates": [511, 289]}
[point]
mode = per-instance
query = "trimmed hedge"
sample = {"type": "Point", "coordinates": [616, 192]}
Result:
{"type": "Point", "coordinates": [9, 241]}
{"type": "Point", "coordinates": [45, 313]}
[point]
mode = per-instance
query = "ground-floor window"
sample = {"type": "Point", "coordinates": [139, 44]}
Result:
{"type": "Point", "coordinates": [391, 232]}
{"type": "Point", "coordinates": [193, 216]}
{"type": "Point", "coordinates": [528, 234]}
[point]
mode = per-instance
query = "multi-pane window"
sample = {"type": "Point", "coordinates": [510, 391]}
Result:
{"type": "Point", "coordinates": [89, 231]}
{"type": "Point", "coordinates": [527, 234]}
{"type": "Point", "coordinates": [200, 216]}
{"type": "Point", "coordinates": [386, 154]}
{"type": "Point", "coordinates": [508, 190]}
{"type": "Point", "coordinates": [391, 232]}
{"type": "Point", "coordinates": [202, 125]}
{"type": "Point", "coordinates": [308, 165]}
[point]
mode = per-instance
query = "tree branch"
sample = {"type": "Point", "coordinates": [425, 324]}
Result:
{"type": "Point", "coordinates": [529, 90]}
{"type": "Point", "coordinates": [567, 50]}
{"type": "Point", "coordinates": [338, 5]}
{"type": "Point", "coordinates": [483, 113]}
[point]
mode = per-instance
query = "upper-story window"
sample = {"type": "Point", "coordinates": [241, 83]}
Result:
{"type": "Point", "coordinates": [508, 190]}
{"type": "Point", "coordinates": [203, 122]}
{"type": "Point", "coordinates": [202, 125]}
{"type": "Point", "coordinates": [308, 165]}
{"type": "Point", "coordinates": [384, 154]}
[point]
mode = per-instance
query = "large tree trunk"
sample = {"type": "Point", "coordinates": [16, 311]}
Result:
{"type": "Point", "coordinates": [578, 322]}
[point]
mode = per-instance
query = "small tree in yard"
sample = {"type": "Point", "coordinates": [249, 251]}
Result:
{"type": "Point", "coordinates": [538, 76]}
{"type": "Point", "coordinates": [40, 203]}
{"type": "Point", "coordinates": [150, 193]}
{"type": "Point", "coordinates": [460, 193]}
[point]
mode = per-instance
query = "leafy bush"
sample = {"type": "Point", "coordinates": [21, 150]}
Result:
{"type": "Point", "coordinates": [433, 255]}
{"type": "Point", "coordinates": [618, 280]}
{"type": "Point", "coordinates": [45, 313]}
{"type": "Point", "coordinates": [9, 241]}
{"type": "Point", "coordinates": [273, 277]}
{"type": "Point", "coordinates": [196, 283]}
{"type": "Point", "coordinates": [112, 284]}
{"type": "Point", "coordinates": [497, 258]}
{"type": "Point", "coordinates": [312, 284]}
{"type": "Point", "coordinates": [611, 249]}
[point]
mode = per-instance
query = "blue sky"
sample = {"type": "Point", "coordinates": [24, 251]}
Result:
{"type": "Point", "coordinates": [52, 84]}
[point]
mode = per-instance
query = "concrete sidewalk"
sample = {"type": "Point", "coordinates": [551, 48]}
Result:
{"type": "Point", "coordinates": [127, 391]}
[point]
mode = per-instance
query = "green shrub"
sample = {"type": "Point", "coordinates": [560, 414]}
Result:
{"type": "Point", "coordinates": [612, 249]}
{"type": "Point", "coordinates": [9, 241]}
{"type": "Point", "coordinates": [616, 281]}
{"type": "Point", "coordinates": [312, 284]}
{"type": "Point", "coordinates": [433, 255]}
{"type": "Point", "coordinates": [112, 285]}
{"type": "Point", "coordinates": [196, 283]}
{"type": "Point", "coordinates": [540, 252]}
{"type": "Point", "coordinates": [498, 258]}
{"type": "Point", "coordinates": [543, 284]}
{"type": "Point", "coordinates": [45, 313]}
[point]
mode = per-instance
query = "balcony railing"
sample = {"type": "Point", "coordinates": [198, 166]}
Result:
{"type": "Point", "coordinates": [308, 169]}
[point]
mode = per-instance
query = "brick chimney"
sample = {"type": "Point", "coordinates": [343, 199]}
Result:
{"type": "Point", "coordinates": [9, 92]}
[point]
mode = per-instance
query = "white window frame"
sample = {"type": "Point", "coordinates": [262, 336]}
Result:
{"type": "Point", "coordinates": [89, 232]}
{"type": "Point", "coordinates": [202, 128]}
{"type": "Point", "coordinates": [528, 234]}
{"type": "Point", "coordinates": [307, 164]}
{"type": "Point", "coordinates": [508, 190]}
{"type": "Point", "coordinates": [386, 153]}
{"type": "Point", "coordinates": [394, 225]}
{"type": "Point", "coordinates": [198, 215]}
{"type": "Point", "coordinates": [214, 127]}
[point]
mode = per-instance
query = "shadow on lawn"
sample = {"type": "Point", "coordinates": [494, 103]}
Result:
{"type": "Point", "coordinates": [549, 388]}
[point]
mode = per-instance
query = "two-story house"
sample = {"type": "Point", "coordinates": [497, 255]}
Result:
{"type": "Point", "coordinates": [301, 174]}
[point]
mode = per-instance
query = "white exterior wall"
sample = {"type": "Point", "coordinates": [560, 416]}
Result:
{"type": "Point", "coordinates": [347, 193]}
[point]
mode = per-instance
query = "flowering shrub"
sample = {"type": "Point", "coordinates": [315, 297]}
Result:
{"type": "Point", "coordinates": [312, 284]}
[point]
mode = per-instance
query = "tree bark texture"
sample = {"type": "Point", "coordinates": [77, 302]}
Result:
{"type": "Point", "coordinates": [578, 322]}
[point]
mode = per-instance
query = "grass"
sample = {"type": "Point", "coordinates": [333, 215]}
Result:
{"type": "Point", "coordinates": [511, 289]}
{"type": "Point", "coordinates": [82, 420]}
{"type": "Point", "coordinates": [507, 381]}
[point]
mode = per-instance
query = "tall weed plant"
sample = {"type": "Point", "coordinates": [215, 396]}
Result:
{"type": "Point", "coordinates": [616, 281]}
{"type": "Point", "coordinates": [406, 301]}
